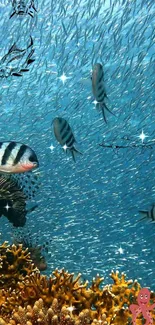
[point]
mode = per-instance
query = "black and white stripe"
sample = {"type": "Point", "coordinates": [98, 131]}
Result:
{"type": "Point", "coordinates": [13, 154]}
{"type": "Point", "coordinates": [64, 135]}
{"type": "Point", "coordinates": [98, 88]}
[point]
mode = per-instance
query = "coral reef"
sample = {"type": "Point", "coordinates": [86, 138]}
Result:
{"type": "Point", "coordinates": [61, 299]}
{"type": "Point", "coordinates": [15, 263]}
{"type": "Point", "coordinates": [38, 252]}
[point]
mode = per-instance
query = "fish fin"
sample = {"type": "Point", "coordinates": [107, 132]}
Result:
{"type": "Point", "coordinates": [31, 42]}
{"type": "Point", "coordinates": [32, 209]}
{"type": "Point", "coordinates": [73, 151]}
{"type": "Point", "coordinates": [14, 48]}
{"type": "Point", "coordinates": [34, 8]}
{"type": "Point", "coordinates": [12, 14]}
{"type": "Point", "coordinates": [145, 213]}
{"type": "Point", "coordinates": [108, 109]}
{"type": "Point", "coordinates": [24, 70]}
{"type": "Point", "coordinates": [16, 74]}
{"type": "Point", "coordinates": [30, 61]}
{"type": "Point", "coordinates": [29, 13]}
{"type": "Point", "coordinates": [103, 113]}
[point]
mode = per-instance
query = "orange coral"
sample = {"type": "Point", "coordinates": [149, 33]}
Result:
{"type": "Point", "coordinates": [15, 263]}
{"type": "Point", "coordinates": [61, 299]}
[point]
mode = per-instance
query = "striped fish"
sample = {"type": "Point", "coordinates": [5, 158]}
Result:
{"type": "Point", "coordinates": [16, 157]}
{"type": "Point", "coordinates": [150, 214]}
{"type": "Point", "coordinates": [99, 89]}
{"type": "Point", "coordinates": [64, 135]}
{"type": "Point", "coordinates": [13, 200]}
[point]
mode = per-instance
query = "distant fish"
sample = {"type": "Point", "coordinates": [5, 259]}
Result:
{"type": "Point", "coordinates": [14, 50]}
{"type": "Point", "coordinates": [20, 7]}
{"type": "Point", "coordinates": [20, 60]}
{"type": "Point", "coordinates": [150, 214]}
{"type": "Point", "coordinates": [64, 135]}
{"type": "Point", "coordinates": [99, 89]}
{"type": "Point", "coordinates": [37, 251]}
{"type": "Point", "coordinates": [16, 157]}
{"type": "Point", "coordinates": [13, 201]}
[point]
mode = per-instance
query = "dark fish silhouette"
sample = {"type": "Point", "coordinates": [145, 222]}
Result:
{"type": "Point", "coordinates": [99, 88]}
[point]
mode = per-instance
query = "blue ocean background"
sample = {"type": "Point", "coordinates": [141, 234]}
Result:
{"type": "Point", "coordinates": [88, 210]}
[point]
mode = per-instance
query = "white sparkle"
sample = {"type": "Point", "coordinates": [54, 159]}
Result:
{"type": "Point", "coordinates": [95, 102]}
{"type": "Point", "coordinates": [142, 136]}
{"type": "Point", "coordinates": [65, 147]}
{"type": "Point", "coordinates": [120, 250]}
{"type": "Point", "coordinates": [51, 147]}
{"type": "Point", "coordinates": [63, 78]}
{"type": "Point", "coordinates": [7, 207]}
{"type": "Point", "coordinates": [71, 309]}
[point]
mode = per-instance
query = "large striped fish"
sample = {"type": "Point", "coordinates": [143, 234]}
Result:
{"type": "Point", "coordinates": [64, 135]}
{"type": "Point", "coordinates": [99, 88]}
{"type": "Point", "coordinates": [150, 214]}
{"type": "Point", "coordinates": [16, 157]}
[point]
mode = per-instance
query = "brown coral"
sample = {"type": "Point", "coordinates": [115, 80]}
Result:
{"type": "Point", "coordinates": [61, 299]}
{"type": "Point", "coordinates": [15, 264]}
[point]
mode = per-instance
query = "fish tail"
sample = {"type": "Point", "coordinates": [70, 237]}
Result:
{"type": "Point", "coordinates": [103, 113]}
{"type": "Point", "coordinates": [12, 14]}
{"type": "Point", "coordinates": [74, 151]}
{"type": "Point", "coordinates": [32, 209]}
{"type": "Point", "coordinates": [145, 213]}
{"type": "Point", "coordinates": [105, 106]}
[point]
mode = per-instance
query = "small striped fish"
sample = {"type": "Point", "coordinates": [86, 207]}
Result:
{"type": "Point", "coordinates": [13, 200]}
{"type": "Point", "coordinates": [64, 135]}
{"type": "Point", "coordinates": [99, 89]}
{"type": "Point", "coordinates": [16, 157]}
{"type": "Point", "coordinates": [150, 214]}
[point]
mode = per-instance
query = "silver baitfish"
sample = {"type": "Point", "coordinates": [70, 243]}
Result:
{"type": "Point", "coordinates": [16, 157]}
{"type": "Point", "coordinates": [99, 89]}
{"type": "Point", "coordinates": [64, 135]}
{"type": "Point", "coordinates": [150, 214]}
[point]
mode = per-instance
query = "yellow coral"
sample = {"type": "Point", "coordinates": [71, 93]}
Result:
{"type": "Point", "coordinates": [61, 299]}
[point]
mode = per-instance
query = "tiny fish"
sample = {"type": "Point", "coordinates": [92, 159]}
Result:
{"type": "Point", "coordinates": [150, 214]}
{"type": "Point", "coordinates": [16, 157]}
{"type": "Point", "coordinates": [20, 8]}
{"type": "Point", "coordinates": [64, 135]}
{"type": "Point", "coordinates": [99, 89]}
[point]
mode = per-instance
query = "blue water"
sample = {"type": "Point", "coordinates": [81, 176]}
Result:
{"type": "Point", "coordinates": [87, 210]}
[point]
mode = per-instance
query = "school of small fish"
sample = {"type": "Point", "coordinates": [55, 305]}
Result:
{"type": "Point", "coordinates": [53, 67]}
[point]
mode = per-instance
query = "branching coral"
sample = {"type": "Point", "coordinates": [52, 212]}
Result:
{"type": "Point", "coordinates": [15, 264]}
{"type": "Point", "coordinates": [61, 299]}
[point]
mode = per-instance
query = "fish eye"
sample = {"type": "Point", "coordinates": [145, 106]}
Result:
{"type": "Point", "coordinates": [33, 159]}
{"type": "Point", "coordinates": [141, 296]}
{"type": "Point", "coordinates": [146, 296]}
